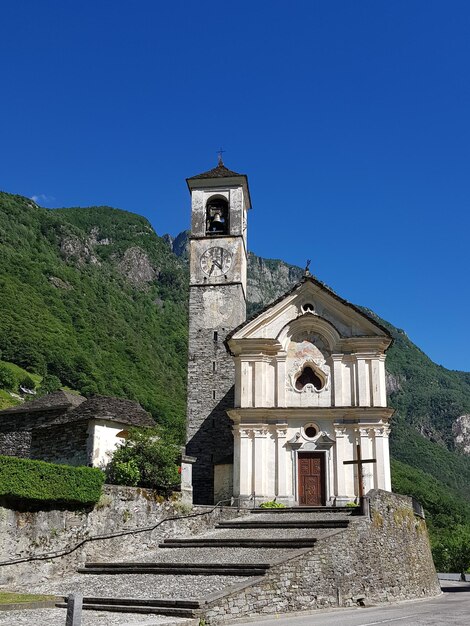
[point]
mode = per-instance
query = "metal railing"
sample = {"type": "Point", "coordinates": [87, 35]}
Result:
{"type": "Point", "coordinates": [121, 533]}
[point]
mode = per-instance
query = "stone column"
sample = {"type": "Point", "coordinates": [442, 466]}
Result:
{"type": "Point", "coordinates": [74, 610]}
{"type": "Point", "coordinates": [270, 474]}
{"type": "Point", "coordinates": [259, 382]}
{"type": "Point", "coordinates": [341, 496]}
{"type": "Point", "coordinates": [238, 381]}
{"type": "Point", "coordinates": [282, 488]}
{"type": "Point", "coordinates": [338, 379]}
{"type": "Point", "coordinates": [245, 469]}
{"type": "Point", "coordinates": [368, 469]}
{"type": "Point", "coordinates": [236, 460]}
{"type": "Point", "coordinates": [383, 386]}
{"type": "Point", "coordinates": [186, 477]}
{"type": "Point", "coordinates": [246, 391]}
{"type": "Point", "coordinates": [379, 397]}
{"type": "Point", "coordinates": [281, 381]}
{"type": "Point", "coordinates": [362, 382]}
{"type": "Point", "coordinates": [259, 462]}
{"type": "Point", "coordinates": [382, 454]}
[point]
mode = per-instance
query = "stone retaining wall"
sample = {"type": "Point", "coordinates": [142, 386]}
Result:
{"type": "Point", "coordinates": [380, 558]}
{"type": "Point", "coordinates": [25, 534]}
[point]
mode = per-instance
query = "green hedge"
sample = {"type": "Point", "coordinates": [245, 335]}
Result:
{"type": "Point", "coordinates": [37, 482]}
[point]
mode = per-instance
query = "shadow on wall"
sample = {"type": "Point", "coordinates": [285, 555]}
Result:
{"type": "Point", "coordinates": [211, 444]}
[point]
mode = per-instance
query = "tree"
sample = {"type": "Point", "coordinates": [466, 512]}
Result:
{"type": "Point", "coordinates": [27, 383]}
{"type": "Point", "coordinates": [49, 384]}
{"type": "Point", "coordinates": [150, 452]}
{"type": "Point", "coordinates": [451, 552]}
{"type": "Point", "coordinates": [7, 378]}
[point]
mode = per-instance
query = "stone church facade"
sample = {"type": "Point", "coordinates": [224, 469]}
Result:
{"type": "Point", "coordinates": [276, 404]}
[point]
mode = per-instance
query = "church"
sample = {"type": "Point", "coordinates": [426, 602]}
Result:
{"type": "Point", "coordinates": [291, 404]}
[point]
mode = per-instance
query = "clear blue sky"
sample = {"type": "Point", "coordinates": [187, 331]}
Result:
{"type": "Point", "coordinates": [351, 119]}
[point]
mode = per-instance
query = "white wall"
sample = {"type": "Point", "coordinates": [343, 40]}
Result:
{"type": "Point", "coordinates": [104, 440]}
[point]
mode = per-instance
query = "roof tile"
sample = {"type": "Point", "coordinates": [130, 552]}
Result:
{"type": "Point", "coordinates": [57, 399]}
{"type": "Point", "coordinates": [217, 172]}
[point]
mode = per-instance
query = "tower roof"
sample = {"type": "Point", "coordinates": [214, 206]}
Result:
{"type": "Point", "coordinates": [213, 178]}
{"type": "Point", "coordinates": [217, 172]}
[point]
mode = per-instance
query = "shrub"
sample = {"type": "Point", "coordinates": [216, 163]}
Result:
{"type": "Point", "coordinates": [154, 454]}
{"type": "Point", "coordinates": [272, 504]}
{"type": "Point", "coordinates": [27, 383]}
{"type": "Point", "coordinates": [7, 378]}
{"type": "Point", "coordinates": [38, 482]}
{"type": "Point", "coordinates": [124, 473]}
{"type": "Point", "coordinates": [49, 384]}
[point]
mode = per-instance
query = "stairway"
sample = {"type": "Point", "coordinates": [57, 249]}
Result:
{"type": "Point", "coordinates": [187, 573]}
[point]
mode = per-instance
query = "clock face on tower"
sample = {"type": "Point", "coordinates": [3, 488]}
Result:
{"type": "Point", "coordinates": [216, 261]}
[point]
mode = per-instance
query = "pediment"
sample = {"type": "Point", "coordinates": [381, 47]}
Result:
{"type": "Point", "coordinates": [311, 307]}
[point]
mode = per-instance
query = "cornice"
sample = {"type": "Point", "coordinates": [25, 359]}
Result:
{"type": "Point", "coordinates": [255, 347]}
{"type": "Point", "coordinates": [340, 415]}
{"type": "Point", "coordinates": [365, 344]}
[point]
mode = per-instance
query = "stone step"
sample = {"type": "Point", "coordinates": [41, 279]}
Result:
{"type": "Point", "coordinates": [213, 554]}
{"type": "Point", "coordinates": [261, 523]}
{"type": "Point", "coordinates": [226, 542]}
{"type": "Point", "coordinates": [194, 569]}
{"type": "Point", "coordinates": [175, 608]}
{"type": "Point", "coordinates": [147, 586]}
{"type": "Point", "coordinates": [309, 509]}
{"type": "Point", "coordinates": [153, 602]}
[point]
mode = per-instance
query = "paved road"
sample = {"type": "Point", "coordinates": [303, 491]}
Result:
{"type": "Point", "coordinates": [453, 607]}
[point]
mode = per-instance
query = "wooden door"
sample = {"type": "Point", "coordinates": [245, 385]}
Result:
{"type": "Point", "coordinates": [312, 479]}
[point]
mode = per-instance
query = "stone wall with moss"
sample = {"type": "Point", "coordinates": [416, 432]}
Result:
{"type": "Point", "coordinates": [382, 557]}
{"type": "Point", "coordinates": [25, 534]}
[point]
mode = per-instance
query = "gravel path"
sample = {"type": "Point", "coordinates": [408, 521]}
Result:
{"type": "Point", "coordinates": [141, 586]}
{"type": "Point", "coordinates": [214, 555]}
{"type": "Point", "coordinates": [56, 617]}
{"type": "Point", "coordinates": [265, 533]}
{"type": "Point", "coordinates": [294, 517]}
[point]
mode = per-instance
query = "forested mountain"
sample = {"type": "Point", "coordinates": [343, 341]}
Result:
{"type": "Point", "coordinates": [94, 297]}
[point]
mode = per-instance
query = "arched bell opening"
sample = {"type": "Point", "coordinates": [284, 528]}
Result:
{"type": "Point", "coordinates": [217, 216]}
{"type": "Point", "coordinates": [308, 376]}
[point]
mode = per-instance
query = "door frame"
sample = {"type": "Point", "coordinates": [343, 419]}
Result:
{"type": "Point", "coordinates": [324, 477]}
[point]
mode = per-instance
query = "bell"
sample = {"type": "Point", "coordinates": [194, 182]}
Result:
{"type": "Point", "coordinates": [217, 223]}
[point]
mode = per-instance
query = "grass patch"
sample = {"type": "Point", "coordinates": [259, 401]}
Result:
{"type": "Point", "coordinates": [7, 597]}
{"type": "Point", "coordinates": [6, 401]}
{"type": "Point", "coordinates": [19, 372]}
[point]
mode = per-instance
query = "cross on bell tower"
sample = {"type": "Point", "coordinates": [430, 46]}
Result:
{"type": "Point", "coordinates": [220, 161]}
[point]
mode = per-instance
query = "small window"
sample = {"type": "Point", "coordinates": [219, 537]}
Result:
{"type": "Point", "coordinates": [310, 431]}
{"type": "Point", "coordinates": [214, 366]}
{"type": "Point", "coordinates": [217, 214]}
{"type": "Point", "coordinates": [216, 335]}
{"type": "Point", "coordinates": [308, 307]}
{"type": "Point", "coordinates": [308, 377]}
{"type": "Point", "coordinates": [213, 394]}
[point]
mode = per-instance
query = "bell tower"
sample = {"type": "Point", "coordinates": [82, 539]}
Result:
{"type": "Point", "coordinates": [220, 200]}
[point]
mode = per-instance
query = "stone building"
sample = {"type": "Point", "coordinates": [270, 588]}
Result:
{"type": "Point", "coordinates": [309, 389]}
{"type": "Point", "coordinates": [67, 428]}
{"type": "Point", "coordinates": [279, 403]}
{"type": "Point", "coordinates": [220, 200]}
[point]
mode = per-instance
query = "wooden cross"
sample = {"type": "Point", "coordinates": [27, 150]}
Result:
{"type": "Point", "coordinates": [219, 156]}
{"type": "Point", "coordinates": [359, 461]}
